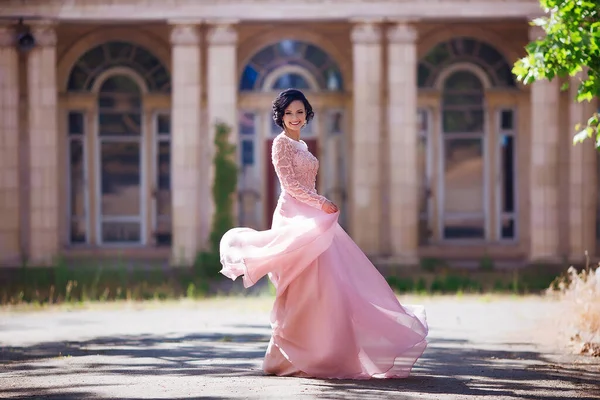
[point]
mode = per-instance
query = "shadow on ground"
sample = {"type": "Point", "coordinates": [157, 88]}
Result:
{"type": "Point", "coordinates": [448, 367]}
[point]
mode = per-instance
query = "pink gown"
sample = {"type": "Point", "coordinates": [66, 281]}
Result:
{"type": "Point", "coordinates": [334, 315]}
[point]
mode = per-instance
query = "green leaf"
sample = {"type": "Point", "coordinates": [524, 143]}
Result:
{"type": "Point", "coordinates": [582, 135]}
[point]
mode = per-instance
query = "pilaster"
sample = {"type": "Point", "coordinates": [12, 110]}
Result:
{"type": "Point", "coordinates": [366, 184]}
{"type": "Point", "coordinates": [222, 91]}
{"type": "Point", "coordinates": [186, 144]}
{"type": "Point", "coordinates": [10, 252]}
{"type": "Point", "coordinates": [43, 147]}
{"type": "Point", "coordinates": [402, 145]}
{"type": "Point", "coordinates": [583, 186]}
{"type": "Point", "coordinates": [544, 168]}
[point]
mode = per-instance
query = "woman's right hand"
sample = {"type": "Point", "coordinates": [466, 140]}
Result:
{"type": "Point", "coordinates": [329, 207]}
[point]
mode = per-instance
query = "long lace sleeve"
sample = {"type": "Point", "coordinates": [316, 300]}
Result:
{"type": "Point", "coordinates": [283, 157]}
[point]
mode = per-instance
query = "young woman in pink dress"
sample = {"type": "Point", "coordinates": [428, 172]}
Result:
{"type": "Point", "coordinates": [334, 315]}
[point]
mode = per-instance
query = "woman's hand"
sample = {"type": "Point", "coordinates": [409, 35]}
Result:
{"type": "Point", "coordinates": [329, 207]}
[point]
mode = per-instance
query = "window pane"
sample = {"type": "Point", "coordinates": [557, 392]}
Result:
{"type": "Point", "coordinates": [462, 46]}
{"type": "Point", "coordinates": [422, 129]}
{"type": "Point", "coordinates": [506, 120]}
{"type": "Point", "coordinates": [247, 152]}
{"type": "Point", "coordinates": [466, 99]}
{"type": "Point", "coordinates": [275, 129]}
{"type": "Point", "coordinates": [163, 235]}
{"type": "Point", "coordinates": [463, 121]}
{"type": "Point", "coordinates": [120, 163]}
{"type": "Point", "coordinates": [507, 159]}
{"type": "Point", "coordinates": [94, 58]}
{"type": "Point", "coordinates": [160, 78]}
{"type": "Point", "coordinates": [316, 56]}
{"type": "Point", "coordinates": [119, 124]}
{"type": "Point", "coordinates": [508, 228]}
{"type": "Point", "coordinates": [76, 123]}
{"type": "Point", "coordinates": [121, 232]}
{"type": "Point", "coordinates": [335, 122]}
{"type": "Point", "coordinates": [164, 214]}
{"type": "Point", "coordinates": [423, 74]}
{"type": "Point", "coordinates": [333, 77]}
{"type": "Point", "coordinates": [464, 229]}
{"type": "Point", "coordinates": [247, 123]}
{"type": "Point", "coordinates": [422, 173]}
{"type": "Point", "coordinates": [146, 60]}
{"type": "Point", "coordinates": [489, 54]}
{"type": "Point", "coordinates": [291, 81]}
{"type": "Point", "coordinates": [77, 79]}
{"type": "Point", "coordinates": [290, 48]}
{"type": "Point", "coordinates": [422, 122]}
{"type": "Point", "coordinates": [120, 84]}
{"type": "Point", "coordinates": [463, 176]}
{"type": "Point", "coordinates": [119, 102]}
{"type": "Point", "coordinates": [77, 191]}
{"type": "Point", "coordinates": [78, 231]}
{"type": "Point", "coordinates": [438, 55]}
{"type": "Point", "coordinates": [463, 80]}
{"type": "Point", "coordinates": [249, 78]}
{"type": "Point", "coordinates": [163, 122]}
{"type": "Point", "coordinates": [119, 50]}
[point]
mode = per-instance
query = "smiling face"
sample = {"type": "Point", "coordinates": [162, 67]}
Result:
{"type": "Point", "coordinates": [294, 116]}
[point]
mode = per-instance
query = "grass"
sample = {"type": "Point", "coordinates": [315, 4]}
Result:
{"type": "Point", "coordinates": [118, 281]}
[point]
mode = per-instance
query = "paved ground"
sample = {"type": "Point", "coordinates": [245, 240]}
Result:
{"type": "Point", "coordinates": [480, 347]}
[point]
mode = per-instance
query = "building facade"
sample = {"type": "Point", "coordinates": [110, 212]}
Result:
{"type": "Point", "coordinates": [426, 140]}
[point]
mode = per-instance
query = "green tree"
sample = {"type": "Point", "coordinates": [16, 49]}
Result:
{"type": "Point", "coordinates": [207, 263]}
{"type": "Point", "coordinates": [224, 185]}
{"type": "Point", "coordinates": [570, 47]}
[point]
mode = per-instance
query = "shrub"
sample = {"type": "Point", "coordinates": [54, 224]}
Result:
{"type": "Point", "coordinates": [579, 291]}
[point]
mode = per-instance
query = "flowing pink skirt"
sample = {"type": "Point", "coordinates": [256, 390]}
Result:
{"type": "Point", "coordinates": [334, 315]}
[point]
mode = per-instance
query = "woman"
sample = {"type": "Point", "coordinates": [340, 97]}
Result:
{"type": "Point", "coordinates": [334, 315]}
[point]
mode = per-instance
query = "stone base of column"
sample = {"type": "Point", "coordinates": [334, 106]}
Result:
{"type": "Point", "coordinates": [546, 259]}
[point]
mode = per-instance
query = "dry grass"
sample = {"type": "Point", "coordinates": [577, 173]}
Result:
{"type": "Point", "coordinates": [579, 292]}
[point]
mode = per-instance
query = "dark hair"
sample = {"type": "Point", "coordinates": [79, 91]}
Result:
{"type": "Point", "coordinates": [284, 99]}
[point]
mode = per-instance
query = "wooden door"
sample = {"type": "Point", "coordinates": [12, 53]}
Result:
{"type": "Point", "coordinates": [273, 182]}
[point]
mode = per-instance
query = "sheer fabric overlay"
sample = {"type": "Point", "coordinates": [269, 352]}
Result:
{"type": "Point", "coordinates": [334, 314]}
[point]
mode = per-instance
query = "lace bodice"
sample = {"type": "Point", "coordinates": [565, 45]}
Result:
{"type": "Point", "coordinates": [296, 169]}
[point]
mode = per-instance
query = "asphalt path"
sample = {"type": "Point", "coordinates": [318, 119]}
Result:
{"type": "Point", "coordinates": [480, 347]}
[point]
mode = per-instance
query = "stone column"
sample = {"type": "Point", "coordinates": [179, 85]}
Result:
{"type": "Point", "coordinates": [10, 252]}
{"type": "Point", "coordinates": [186, 151]}
{"type": "Point", "coordinates": [222, 107]}
{"type": "Point", "coordinates": [544, 168]}
{"type": "Point", "coordinates": [402, 145]}
{"type": "Point", "coordinates": [43, 147]}
{"type": "Point", "coordinates": [367, 105]}
{"type": "Point", "coordinates": [582, 182]}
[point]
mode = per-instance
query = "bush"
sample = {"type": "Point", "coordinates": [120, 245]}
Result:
{"type": "Point", "coordinates": [579, 291]}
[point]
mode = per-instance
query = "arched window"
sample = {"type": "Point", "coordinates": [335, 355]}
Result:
{"type": "Point", "coordinates": [469, 50]}
{"type": "Point", "coordinates": [291, 53]}
{"type": "Point", "coordinates": [118, 54]}
{"type": "Point", "coordinates": [116, 183]}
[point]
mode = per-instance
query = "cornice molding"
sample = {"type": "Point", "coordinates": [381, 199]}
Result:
{"type": "Point", "coordinates": [267, 10]}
